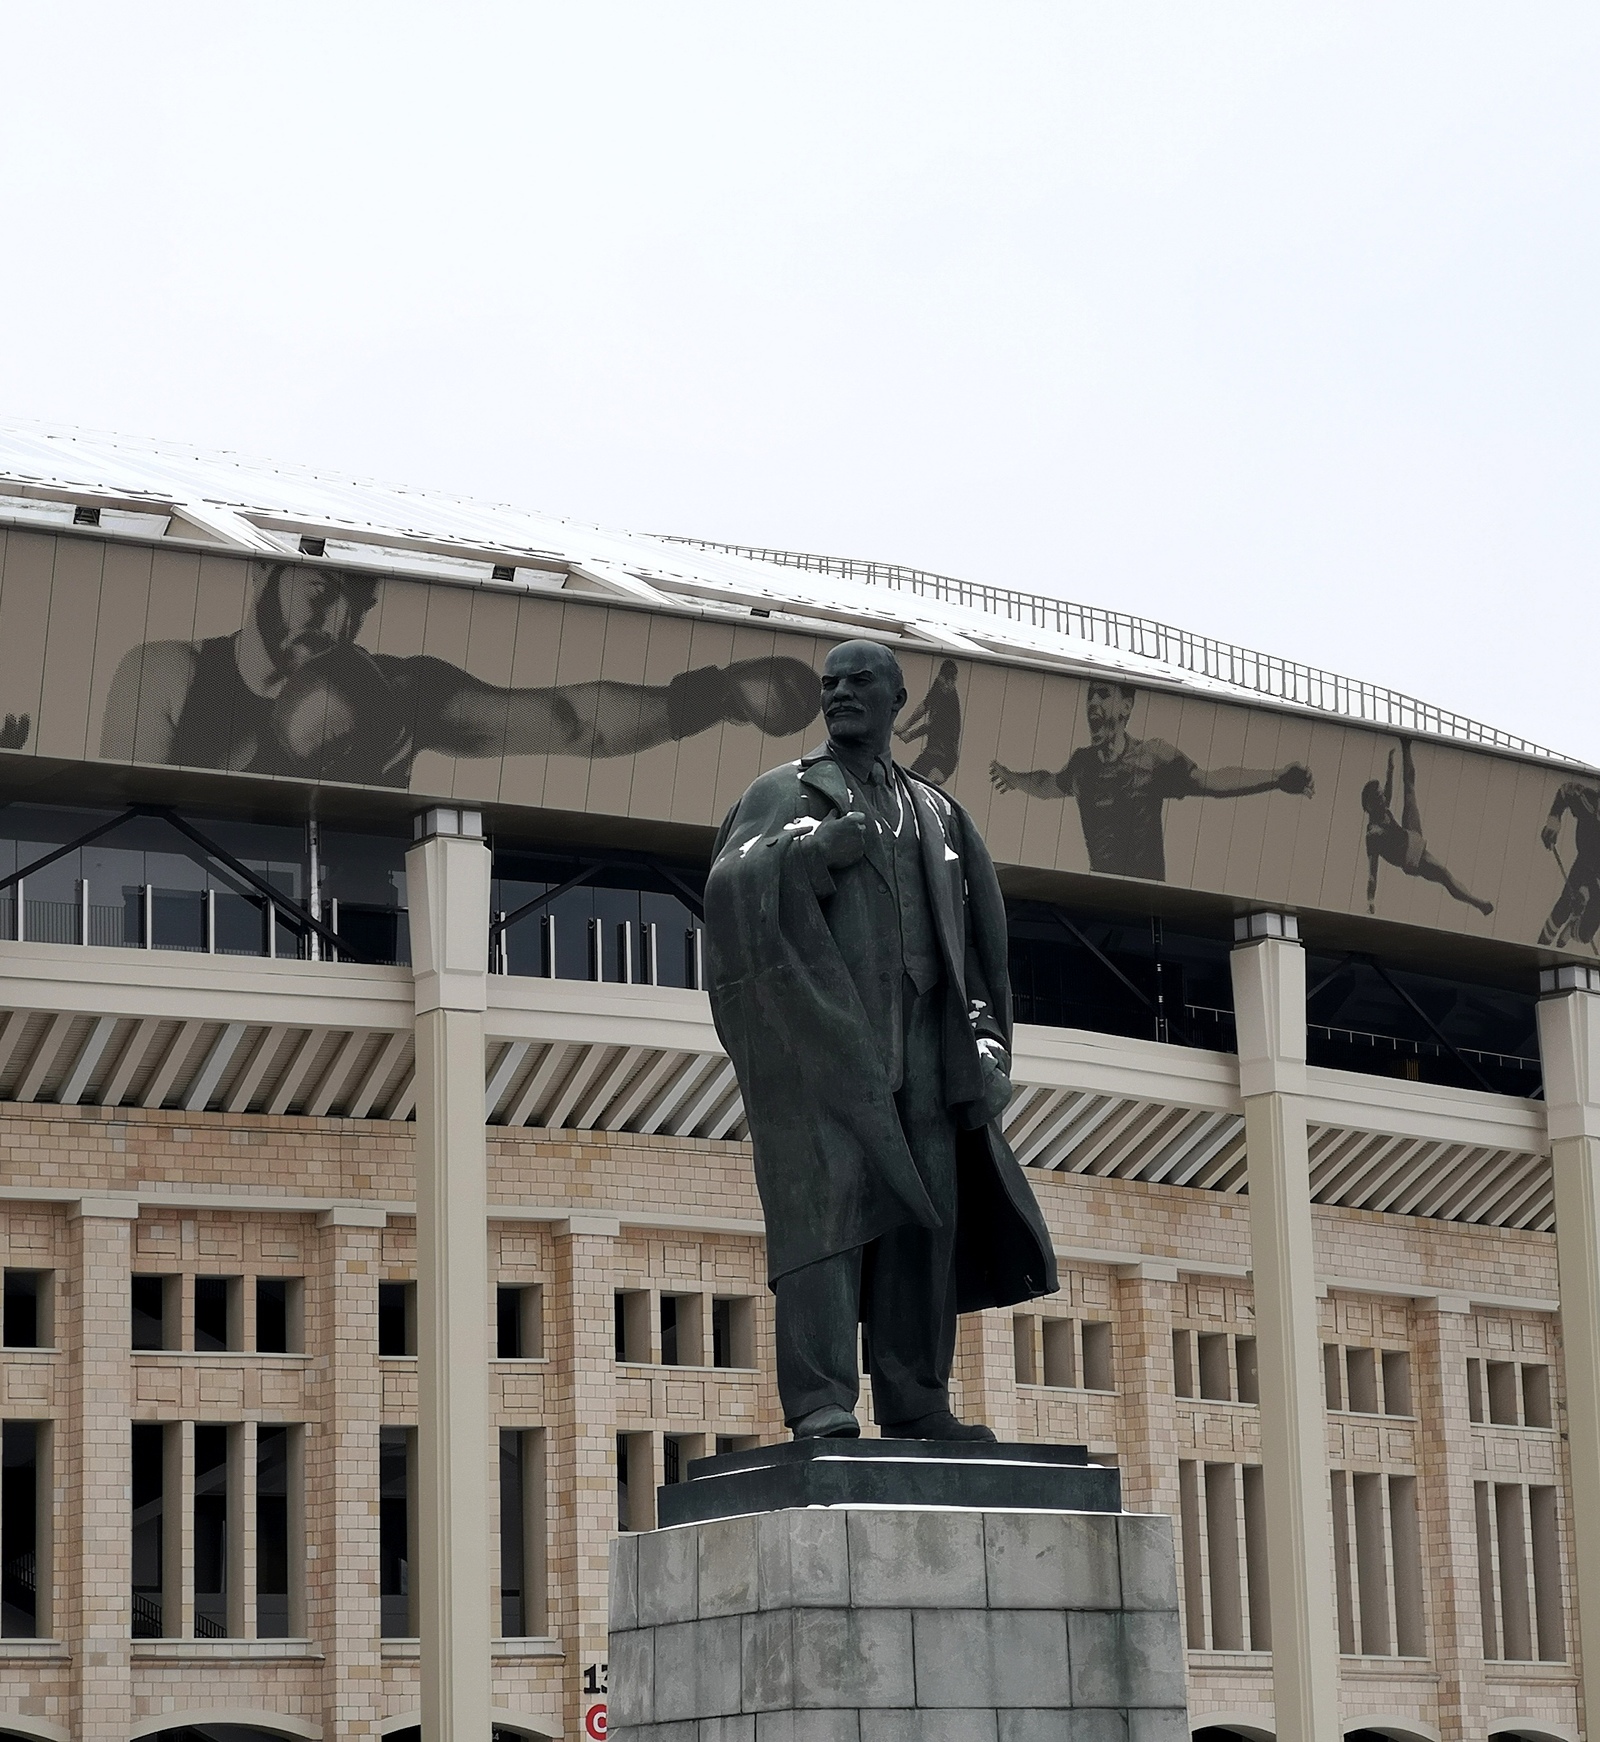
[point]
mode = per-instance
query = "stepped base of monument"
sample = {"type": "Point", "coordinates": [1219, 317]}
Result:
{"type": "Point", "coordinates": [867, 1472]}
{"type": "Point", "coordinates": [898, 1624]}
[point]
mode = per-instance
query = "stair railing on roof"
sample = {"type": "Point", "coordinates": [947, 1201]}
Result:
{"type": "Point", "coordinates": [1263, 674]}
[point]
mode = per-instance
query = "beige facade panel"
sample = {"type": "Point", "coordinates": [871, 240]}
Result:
{"type": "Point", "coordinates": [321, 676]}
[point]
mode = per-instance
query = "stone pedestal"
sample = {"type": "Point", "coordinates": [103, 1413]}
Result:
{"type": "Point", "coordinates": [898, 1624]}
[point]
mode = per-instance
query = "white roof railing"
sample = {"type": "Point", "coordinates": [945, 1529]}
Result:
{"type": "Point", "coordinates": [1244, 668]}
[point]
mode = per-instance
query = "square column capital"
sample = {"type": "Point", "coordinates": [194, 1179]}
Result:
{"type": "Point", "coordinates": [1269, 1007]}
{"type": "Point", "coordinates": [447, 885]}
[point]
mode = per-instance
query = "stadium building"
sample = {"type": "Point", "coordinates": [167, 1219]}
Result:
{"type": "Point", "coordinates": [377, 1222]}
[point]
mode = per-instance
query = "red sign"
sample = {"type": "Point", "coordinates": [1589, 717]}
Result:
{"type": "Point", "coordinates": [594, 1721]}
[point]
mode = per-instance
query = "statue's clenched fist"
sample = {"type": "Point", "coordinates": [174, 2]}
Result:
{"type": "Point", "coordinates": [841, 841]}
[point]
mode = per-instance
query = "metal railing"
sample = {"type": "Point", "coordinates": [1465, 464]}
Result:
{"type": "Point", "coordinates": [1263, 674]}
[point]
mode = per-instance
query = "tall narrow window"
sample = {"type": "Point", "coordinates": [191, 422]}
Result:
{"type": "Point", "coordinates": [210, 1531]}
{"type": "Point", "coordinates": [1339, 1483]}
{"type": "Point", "coordinates": [1183, 1364]}
{"type": "Point", "coordinates": [1536, 1396]}
{"type": "Point", "coordinates": [1255, 1557]}
{"type": "Point", "coordinates": [522, 1533]}
{"type": "Point", "coordinates": [149, 1486]}
{"type": "Point", "coordinates": [1396, 1382]}
{"type": "Point", "coordinates": [1214, 1382]}
{"type": "Point", "coordinates": [1222, 1557]}
{"type": "Point", "coordinates": [1361, 1380]}
{"type": "Point", "coordinates": [397, 1318]}
{"type": "Point", "coordinates": [1405, 1538]}
{"type": "Point", "coordinates": [279, 1573]}
{"type": "Point", "coordinates": [518, 1328]}
{"type": "Point", "coordinates": [633, 1324]}
{"type": "Point", "coordinates": [1549, 1628]}
{"type": "Point", "coordinates": [23, 1570]}
{"type": "Point", "coordinates": [1372, 1573]}
{"type": "Point", "coordinates": [732, 1332]}
{"type": "Point", "coordinates": [26, 1309]}
{"type": "Point", "coordinates": [1060, 1367]}
{"type": "Point", "coordinates": [1516, 1620]}
{"type": "Point", "coordinates": [1097, 1374]}
{"type": "Point", "coordinates": [1022, 1332]}
{"type": "Point", "coordinates": [1191, 1535]}
{"type": "Point", "coordinates": [396, 1491]}
{"type": "Point", "coordinates": [681, 1330]}
{"type": "Point", "coordinates": [155, 1311]}
{"type": "Point", "coordinates": [217, 1318]}
{"type": "Point", "coordinates": [278, 1315]}
{"type": "Point", "coordinates": [1244, 1361]}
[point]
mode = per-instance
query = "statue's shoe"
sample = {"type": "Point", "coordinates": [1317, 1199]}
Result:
{"type": "Point", "coordinates": [939, 1425]}
{"type": "Point", "coordinates": [828, 1423]}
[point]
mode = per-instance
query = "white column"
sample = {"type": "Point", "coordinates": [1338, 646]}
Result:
{"type": "Point", "coordinates": [1269, 998]}
{"type": "Point", "coordinates": [447, 886]}
{"type": "Point", "coordinates": [1569, 1046]}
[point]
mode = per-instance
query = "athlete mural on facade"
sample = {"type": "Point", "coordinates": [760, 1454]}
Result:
{"type": "Point", "coordinates": [1122, 785]}
{"type": "Point", "coordinates": [1401, 842]}
{"type": "Point", "coordinates": [936, 720]}
{"type": "Point", "coordinates": [291, 693]}
{"type": "Point", "coordinates": [1576, 913]}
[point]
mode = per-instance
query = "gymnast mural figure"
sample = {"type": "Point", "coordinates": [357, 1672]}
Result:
{"type": "Point", "coordinates": [936, 720]}
{"type": "Point", "coordinates": [1401, 843]}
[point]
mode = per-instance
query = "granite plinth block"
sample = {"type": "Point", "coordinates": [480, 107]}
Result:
{"type": "Point", "coordinates": [889, 1473]}
{"type": "Point", "coordinates": [864, 1624]}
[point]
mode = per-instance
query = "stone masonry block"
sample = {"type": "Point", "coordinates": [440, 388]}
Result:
{"type": "Point", "coordinates": [1149, 1573]}
{"type": "Point", "coordinates": [853, 1657]}
{"type": "Point", "coordinates": [727, 1566]}
{"type": "Point", "coordinates": [923, 1560]}
{"type": "Point", "coordinates": [992, 1657]}
{"type": "Point", "coordinates": [1168, 1726]}
{"type": "Point", "coordinates": [625, 1584]}
{"type": "Point", "coordinates": [767, 1660]}
{"type": "Point", "coordinates": [668, 1577]}
{"type": "Point", "coordinates": [1126, 1659]}
{"type": "Point", "coordinates": [1052, 1560]}
{"type": "Point", "coordinates": [697, 1669]}
{"type": "Point", "coordinates": [740, 1729]}
{"type": "Point", "coordinates": [834, 1726]}
{"type": "Point", "coordinates": [802, 1559]}
{"type": "Point", "coordinates": [1047, 1726]}
{"type": "Point", "coordinates": [633, 1678]}
{"type": "Point", "coordinates": [925, 1725]}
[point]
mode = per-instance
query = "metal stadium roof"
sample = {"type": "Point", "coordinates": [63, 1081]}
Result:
{"type": "Point", "coordinates": [144, 489]}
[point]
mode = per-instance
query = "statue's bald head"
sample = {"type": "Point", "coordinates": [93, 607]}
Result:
{"type": "Point", "coordinates": [862, 691]}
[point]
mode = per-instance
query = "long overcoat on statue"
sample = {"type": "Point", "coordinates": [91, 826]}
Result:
{"type": "Point", "coordinates": [796, 956]}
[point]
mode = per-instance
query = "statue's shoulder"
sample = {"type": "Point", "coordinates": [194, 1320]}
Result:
{"type": "Point", "coordinates": [780, 782]}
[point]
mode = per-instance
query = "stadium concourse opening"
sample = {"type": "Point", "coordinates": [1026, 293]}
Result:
{"type": "Point", "coordinates": [634, 918]}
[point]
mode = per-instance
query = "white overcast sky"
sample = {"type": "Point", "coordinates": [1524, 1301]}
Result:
{"type": "Point", "coordinates": [1274, 321]}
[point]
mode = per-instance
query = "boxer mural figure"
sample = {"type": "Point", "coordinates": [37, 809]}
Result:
{"type": "Point", "coordinates": [291, 693]}
{"type": "Point", "coordinates": [857, 956]}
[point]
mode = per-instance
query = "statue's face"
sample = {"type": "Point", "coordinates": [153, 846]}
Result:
{"type": "Point", "coordinates": [861, 694]}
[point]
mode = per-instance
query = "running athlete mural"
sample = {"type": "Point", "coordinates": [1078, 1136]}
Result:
{"type": "Point", "coordinates": [1122, 784]}
{"type": "Point", "coordinates": [291, 693]}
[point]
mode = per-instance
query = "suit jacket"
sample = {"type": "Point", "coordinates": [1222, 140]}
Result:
{"type": "Point", "coordinates": [802, 962]}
